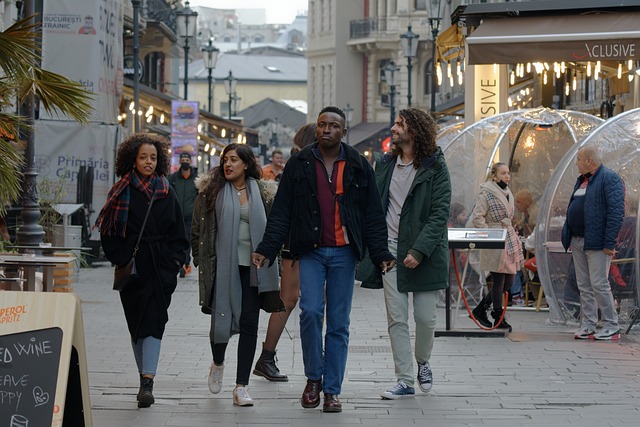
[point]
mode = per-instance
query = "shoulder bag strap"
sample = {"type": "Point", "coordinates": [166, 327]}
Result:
{"type": "Point", "coordinates": [135, 249]}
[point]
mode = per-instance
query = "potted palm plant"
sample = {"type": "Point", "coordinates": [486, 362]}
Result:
{"type": "Point", "coordinates": [22, 79]}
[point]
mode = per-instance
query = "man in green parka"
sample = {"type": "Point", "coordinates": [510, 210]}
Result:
{"type": "Point", "coordinates": [415, 187]}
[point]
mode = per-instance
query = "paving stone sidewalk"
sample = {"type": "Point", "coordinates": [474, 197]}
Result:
{"type": "Point", "coordinates": [537, 375]}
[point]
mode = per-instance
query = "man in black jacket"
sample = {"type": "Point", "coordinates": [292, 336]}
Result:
{"type": "Point", "coordinates": [183, 181]}
{"type": "Point", "coordinates": [328, 200]}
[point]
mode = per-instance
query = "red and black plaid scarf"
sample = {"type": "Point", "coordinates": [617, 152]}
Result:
{"type": "Point", "coordinates": [112, 219]}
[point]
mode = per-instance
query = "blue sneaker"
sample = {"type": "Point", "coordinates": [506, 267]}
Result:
{"type": "Point", "coordinates": [425, 377]}
{"type": "Point", "coordinates": [400, 391]}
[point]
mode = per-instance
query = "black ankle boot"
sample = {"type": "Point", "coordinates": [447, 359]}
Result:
{"type": "Point", "coordinates": [266, 367]}
{"type": "Point", "coordinates": [145, 397]}
{"type": "Point", "coordinates": [140, 389]}
{"type": "Point", "coordinates": [480, 312]}
{"type": "Point", "coordinates": [502, 325]}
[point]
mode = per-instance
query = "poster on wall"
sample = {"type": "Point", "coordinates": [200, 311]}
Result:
{"type": "Point", "coordinates": [184, 131]}
{"type": "Point", "coordinates": [68, 147]}
{"type": "Point", "coordinates": [82, 40]}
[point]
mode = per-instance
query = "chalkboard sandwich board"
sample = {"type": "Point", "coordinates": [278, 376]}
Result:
{"type": "Point", "coordinates": [28, 377]}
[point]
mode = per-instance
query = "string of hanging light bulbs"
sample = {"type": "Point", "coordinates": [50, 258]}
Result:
{"type": "Point", "coordinates": [541, 68]}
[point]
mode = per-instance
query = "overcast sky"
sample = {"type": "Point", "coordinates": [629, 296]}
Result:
{"type": "Point", "coordinates": [278, 11]}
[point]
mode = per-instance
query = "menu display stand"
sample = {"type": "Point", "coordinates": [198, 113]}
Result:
{"type": "Point", "coordinates": [470, 238]}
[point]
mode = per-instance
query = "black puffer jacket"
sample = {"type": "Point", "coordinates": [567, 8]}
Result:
{"type": "Point", "coordinates": [296, 208]}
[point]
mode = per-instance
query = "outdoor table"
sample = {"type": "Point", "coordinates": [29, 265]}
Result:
{"type": "Point", "coordinates": [32, 262]}
{"type": "Point", "coordinates": [46, 249]}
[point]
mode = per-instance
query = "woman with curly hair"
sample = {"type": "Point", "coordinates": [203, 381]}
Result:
{"type": "Point", "coordinates": [142, 162]}
{"type": "Point", "coordinates": [229, 219]}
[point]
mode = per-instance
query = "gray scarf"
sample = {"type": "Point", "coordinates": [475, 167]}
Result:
{"type": "Point", "coordinates": [227, 304]}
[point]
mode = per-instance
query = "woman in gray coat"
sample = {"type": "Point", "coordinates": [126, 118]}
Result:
{"type": "Point", "coordinates": [229, 219]}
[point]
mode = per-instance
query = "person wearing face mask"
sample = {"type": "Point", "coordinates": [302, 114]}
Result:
{"type": "Point", "coordinates": [494, 208]}
{"type": "Point", "coordinates": [183, 181]}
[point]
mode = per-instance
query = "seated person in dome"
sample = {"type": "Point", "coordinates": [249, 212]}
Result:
{"type": "Point", "coordinates": [523, 223]}
{"type": "Point", "coordinates": [522, 219]}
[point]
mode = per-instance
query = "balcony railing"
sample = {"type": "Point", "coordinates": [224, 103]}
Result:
{"type": "Point", "coordinates": [159, 11]}
{"type": "Point", "coordinates": [374, 27]}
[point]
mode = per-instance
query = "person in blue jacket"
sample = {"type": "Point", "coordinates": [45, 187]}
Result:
{"type": "Point", "coordinates": [593, 221]}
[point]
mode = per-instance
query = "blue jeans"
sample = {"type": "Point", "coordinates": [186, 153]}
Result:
{"type": "Point", "coordinates": [147, 353]}
{"type": "Point", "coordinates": [516, 289]}
{"type": "Point", "coordinates": [336, 266]}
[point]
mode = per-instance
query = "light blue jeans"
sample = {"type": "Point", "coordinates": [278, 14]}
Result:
{"type": "Point", "coordinates": [147, 353]}
{"type": "Point", "coordinates": [592, 275]}
{"type": "Point", "coordinates": [326, 274]}
{"type": "Point", "coordinates": [424, 314]}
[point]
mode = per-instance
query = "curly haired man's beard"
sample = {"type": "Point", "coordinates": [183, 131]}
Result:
{"type": "Point", "coordinates": [396, 147]}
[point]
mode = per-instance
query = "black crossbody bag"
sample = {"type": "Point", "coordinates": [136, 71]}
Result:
{"type": "Point", "coordinates": [126, 274]}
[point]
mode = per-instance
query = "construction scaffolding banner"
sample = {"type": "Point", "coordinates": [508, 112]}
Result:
{"type": "Point", "coordinates": [82, 40]}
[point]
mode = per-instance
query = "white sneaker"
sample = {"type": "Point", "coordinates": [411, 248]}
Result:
{"type": "Point", "coordinates": [241, 397]}
{"type": "Point", "coordinates": [215, 378]}
{"type": "Point", "coordinates": [584, 333]}
{"type": "Point", "coordinates": [607, 334]}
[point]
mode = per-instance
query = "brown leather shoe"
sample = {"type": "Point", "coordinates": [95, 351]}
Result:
{"type": "Point", "coordinates": [311, 394]}
{"type": "Point", "coordinates": [331, 403]}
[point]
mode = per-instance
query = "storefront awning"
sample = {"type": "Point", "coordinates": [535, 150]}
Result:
{"type": "Point", "coordinates": [450, 44]}
{"type": "Point", "coordinates": [368, 133]}
{"type": "Point", "coordinates": [596, 37]}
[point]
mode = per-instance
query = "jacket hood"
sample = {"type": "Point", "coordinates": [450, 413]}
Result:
{"type": "Point", "coordinates": [427, 162]}
{"type": "Point", "coordinates": [203, 182]}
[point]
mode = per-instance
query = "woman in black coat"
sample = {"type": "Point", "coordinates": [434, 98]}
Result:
{"type": "Point", "coordinates": [142, 163]}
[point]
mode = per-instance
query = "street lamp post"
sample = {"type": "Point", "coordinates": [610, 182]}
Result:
{"type": "Point", "coordinates": [273, 142]}
{"type": "Point", "coordinates": [186, 31]}
{"type": "Point", "coordinates": [348, 112]}
{"type": "Point", "coordinates": [30, 232]}
{"type": "Point", "coordinates": [210, 59]}
{"type": "Point", "coordinates": [434, 25]}
{"type": "Point", "coordinates": [390, 75]}
{"type": "Point", "coordinates": [136, 65]}
{"type": "Point", "coordinates": [230, 87]}
{"type": "Point", "coordinates": [409, 41]}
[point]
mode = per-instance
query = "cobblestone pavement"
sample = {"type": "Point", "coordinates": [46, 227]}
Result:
{"type": "Point", "coordinates": [537, 375]}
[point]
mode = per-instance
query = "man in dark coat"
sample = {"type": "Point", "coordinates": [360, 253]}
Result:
{"type": "Point", "coordinates": [328, 201]}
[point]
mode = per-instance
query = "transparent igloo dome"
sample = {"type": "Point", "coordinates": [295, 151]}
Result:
{"type": "Point", "coordinates": [618, 140]}
{"type": "Point", "coordinates": [531, 141]}
{"type": "Point", "coordinates": [448, 132]}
